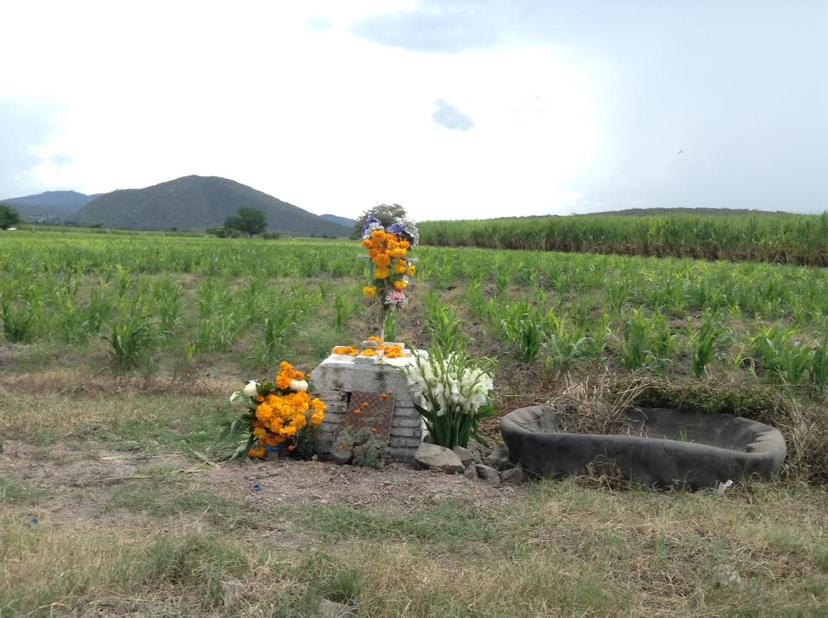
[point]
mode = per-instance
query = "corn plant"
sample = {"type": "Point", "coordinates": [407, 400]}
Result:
{"type": "Point", "coordinates": [565, 343]}
{"type": "Point", "coordinates": [444, 326]}
{"type": "Point", "coordinates": [782, 355]}
{"type": "Point", "coordinates": [275, 331]}
{"type": "Point", "coordinates": [345, 306]}
{"type": "Point", "coordinates": [663, 344]}
{"type": "Point", "coordinates": [635, 345]}
{"type": "Point", "coordinates": [475, 298]}
{"type": "Point", "coordinates": [703, 344]}
{"type": "Point", "coordinates": [818, 370]}
{"type": "Point", "coordinates": [19, 320]}
{"type": "Point", "coordinates": [524, 328]}
{"type": "Point", "coordinates": [131, 339]}
{"type": "Point", "coordinates": [219, 332]}
{"type": "Point", "coordinates": [167, 296]}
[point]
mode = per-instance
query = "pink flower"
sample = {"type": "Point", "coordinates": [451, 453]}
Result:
{"type": "Point", "coordinates": [396, 298]}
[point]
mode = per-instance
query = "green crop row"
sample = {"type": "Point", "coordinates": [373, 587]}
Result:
{"type": "Point", "coordinates": [202, 295]}
{"type": "Point", "coordinates": [779, 238]}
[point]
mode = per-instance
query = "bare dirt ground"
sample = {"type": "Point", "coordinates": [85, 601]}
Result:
{"type": "Point", "coordinates": [79, 479]}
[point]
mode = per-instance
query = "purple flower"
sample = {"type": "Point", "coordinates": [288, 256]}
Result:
{"type": "Point", "coordinates": [372, 224]}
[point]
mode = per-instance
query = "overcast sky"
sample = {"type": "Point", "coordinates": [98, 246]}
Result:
{"type": "Point", "coordinates": [453, 108]}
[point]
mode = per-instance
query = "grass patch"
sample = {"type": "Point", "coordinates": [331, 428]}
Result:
{"type": "Point", "coordinates": [557, 549]}
{"type": "Point", "coordinates": [132, 422]}
{"type": "Point", "coordinates": [167, 495]}
{"type": "Point", "coordinates": [449, 525]}
{"type": "Point", "coordinates": [58, 570]}
{"type": "Point", "coordinates": [16, 491]}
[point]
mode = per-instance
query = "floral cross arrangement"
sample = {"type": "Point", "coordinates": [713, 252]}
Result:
{"type": "Point", "coordinates": [278, 415]}
{"type": "Point", "coordinates": [391, 266]}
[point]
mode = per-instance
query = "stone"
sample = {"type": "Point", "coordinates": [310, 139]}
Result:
{"type": "Point", "coordinates": [471, 472]}
{"type": "Point", "coordinates": [347, 387]}
{"type": "Point", "coordinates": [513, 476]}
{"type": "Point", "coordinates": [464, 454]}
{"type": "Point", "coordinates": [438, 458]}
{"type": "Point", "coordinates": [330, 609]}
{"type": "Point", "coordinates": [488, 474]}
{"type": "Point", "coordinates": [477, 450]}
{"type": "Point", "coordinates": [499, 457]}
{"type": "Point", "coordinates": [342, 451]}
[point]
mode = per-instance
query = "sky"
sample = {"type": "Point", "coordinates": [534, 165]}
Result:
{"type": "Point", "coordinates": [453, 108]}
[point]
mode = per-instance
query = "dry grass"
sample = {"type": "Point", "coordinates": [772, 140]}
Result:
{"type": "Point", "coordinates": [558, 549]}
{"type": "Point", "coordinates": [596, 404]}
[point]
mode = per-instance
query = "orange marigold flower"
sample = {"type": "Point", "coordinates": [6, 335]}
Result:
{"type": "Point", "coordinates": [368, 352]}
{"type": "Point", "coordinates": [257, 453]}
{"type": "Point", "coordinates": [345, 350]}
{"type": "Point", "coordinates": [400, 284]}
{"type": "Point", "coordinates": [375, 339]}
{"type": "Point", "coordinates": [393, 351]}
{"type": "Point", "coordinates": [382, 260]}
{"type": "Point", "coordinates": [370, 291]}
{"type": "Point", "coordinates": [382, 273]}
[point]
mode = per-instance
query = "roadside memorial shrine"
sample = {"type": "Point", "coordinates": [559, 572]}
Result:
{"type": "Point", "coordinates": [370, 406]}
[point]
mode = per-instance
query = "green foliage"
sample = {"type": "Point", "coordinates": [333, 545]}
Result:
{"type": "Point", "coordinates": [635, 349]}
{"type": "Point", "coordinates": [19, 320]}
{"type": "Point", "coordinates": [9, 217]}
{"type": "Point", "coordinates": [703, 343]}
{"type": "Point", "coordinates": [131, 339]}
{"type": "Point", "coordinates": [565, 343]}
{"type": "Point", "coordinates": [223, 232]}
{"type": "Point", "coordinates": [779, 238]}
{"type": "Point", "coordinates": [523, 326]}
{"type": "Point", "coordinates": [248, 220]}
{"type": "Point", "coordinates": [387, 214]}
{"type": "Point", "coordinates": [444, 326]}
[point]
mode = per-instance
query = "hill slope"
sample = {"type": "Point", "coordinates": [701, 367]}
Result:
{"type": "Point", "coordinates": [197, 203]}
{"type": "Point", "coordinates": [339, 220]}
{"type": "Point", "coordinates": [49, 203]}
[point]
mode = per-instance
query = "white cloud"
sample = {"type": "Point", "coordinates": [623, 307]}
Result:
{"type": "Point", "coordinates": [290, 99]}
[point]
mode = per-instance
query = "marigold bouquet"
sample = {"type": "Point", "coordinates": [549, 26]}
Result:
{"type": "Point", "coordinates": [451, 393]}
{"type": "Point", "coordinates": [278, 414]}
{"type": "Point", "coordinates": [391, 266]}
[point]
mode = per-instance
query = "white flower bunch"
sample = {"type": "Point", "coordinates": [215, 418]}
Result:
{"type": "Point", "coordinates": [448, 384]}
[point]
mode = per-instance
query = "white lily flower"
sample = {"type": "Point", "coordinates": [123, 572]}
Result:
{"type": "Point", "coordinates": [251, 389]}
{"type": "Point", "coordinates": [298, 385]}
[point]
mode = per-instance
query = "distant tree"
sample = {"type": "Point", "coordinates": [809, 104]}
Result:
{"type": "Point", "coordinates": [388, 214]}
{"type": "Point", "coordinates": [9, 217]}
{"type": "Point", "coordinates": [248, 220]}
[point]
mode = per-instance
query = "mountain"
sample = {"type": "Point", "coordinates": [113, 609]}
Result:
{"type": "Point", "coordinates": [198, 203]}
{"type": "Point", "coordinates": [339, 220]}
{"type": "Point", "coordinates": [59, 204]}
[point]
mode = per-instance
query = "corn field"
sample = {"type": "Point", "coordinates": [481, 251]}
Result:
{"type": "Point", "coordinates": [143, 297]}
{"type": "Point", "coordinates": [778, 238]}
